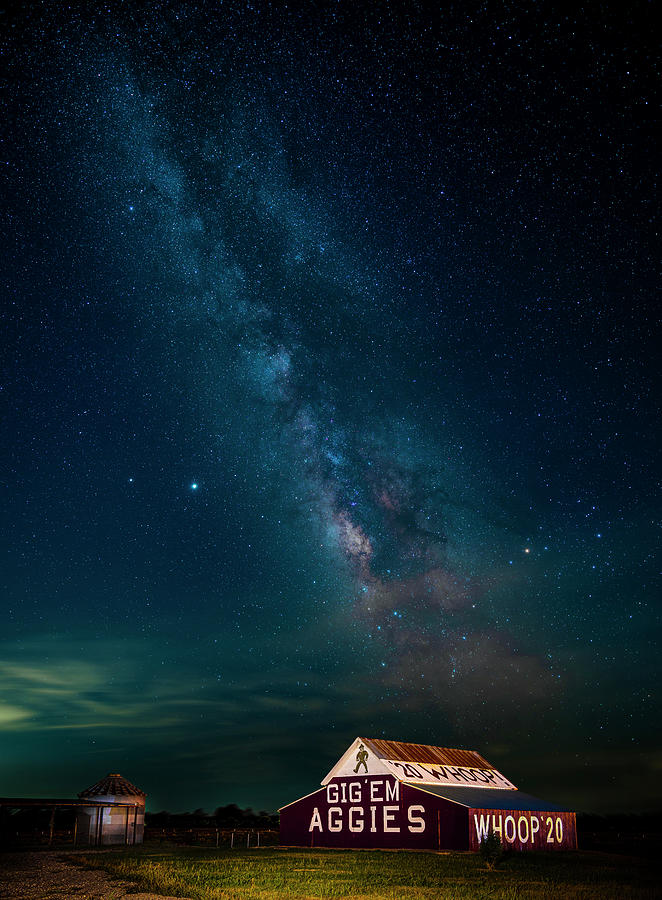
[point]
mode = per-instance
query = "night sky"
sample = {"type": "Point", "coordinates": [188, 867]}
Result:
{"type": "Point", "coordinates": [330, 395]}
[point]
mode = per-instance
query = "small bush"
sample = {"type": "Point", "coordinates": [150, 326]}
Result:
{"type": "Point", "coordinates": [491, 850]}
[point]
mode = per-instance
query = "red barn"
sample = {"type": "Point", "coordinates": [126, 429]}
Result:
{"type": "Point", "coordinates": [385, 794]}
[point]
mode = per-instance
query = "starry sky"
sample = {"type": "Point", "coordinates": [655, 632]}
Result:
{"type": "Point", "coordinates": [329, 395]}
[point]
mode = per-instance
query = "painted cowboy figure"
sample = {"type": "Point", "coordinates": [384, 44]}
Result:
{"type": "Point", "coordinates": [361, 758]}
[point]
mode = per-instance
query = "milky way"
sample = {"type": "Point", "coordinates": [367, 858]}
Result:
{"type": "Point", "coordinates": [330, 344]}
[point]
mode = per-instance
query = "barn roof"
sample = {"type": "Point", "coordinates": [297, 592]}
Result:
{"type": "Point", "coordinates": [418, 764]}
{"type": "Point", "coordinates": [113, 785]}
{"type": "Point", "coordinates": [480, 798]}
{"type": "Point", "coordinates": [426, 753]}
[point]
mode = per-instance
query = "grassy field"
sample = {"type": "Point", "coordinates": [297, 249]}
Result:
{"type": "Point", "coordinates": [270, 874]}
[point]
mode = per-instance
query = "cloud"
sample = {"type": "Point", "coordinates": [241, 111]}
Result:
{"type": "Point", "coordinates": [53, 688]}
{"type": "Point", "coordinates": [121, 684]}
{"type": "Point", "coordinates": [9, 715]}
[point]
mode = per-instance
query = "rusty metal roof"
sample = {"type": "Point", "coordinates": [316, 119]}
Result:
{"type": "Point", "coordinates": [113, 785]}
{"type": "Point", "coordinates": [425, 753]}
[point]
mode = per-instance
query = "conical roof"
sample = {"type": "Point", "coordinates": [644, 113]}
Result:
{"type": "Point", "coordinates": [113, 785]}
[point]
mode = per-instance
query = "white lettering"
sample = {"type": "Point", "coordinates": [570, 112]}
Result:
{"type": "Point", "coordinates": [374, 793]}
{"type": "Point", "coordinates": [335, 824]}
{"type": "Point", "coordinates": [509, 838]}
{"type": "Point", "coordinates": [373, 823]}
{"type": "Point", "coordinates": [316, 821]}
{"type": "Point", "coordinates": [497, 829]}
{"type": "Point", "coordinates": [535, 828]}
{"type": "Point", "coordinates": [343, 788]}
{"type": "Point", "coordinates": [389, 816]}
{"type": "Point", "coordinates": [523, 820]}
{"type": "Point", "coordinates": [549, 822]}
{"type": "Point", "coordinates": [355, 824]}
{"type": "Point", "coordinates": [559, 830]}
{"type": "Point", "coordinates": [355, 792]}
{"type": "Point", "coordinates": [332, 793]}
{"type": "Point", "coordinates": [482, 826]}
{"type": "Point", "coordinates": [416, 823]}
{"type": "Point", "coordinates": [393, 791]}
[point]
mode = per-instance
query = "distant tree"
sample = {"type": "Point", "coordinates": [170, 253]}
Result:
{"type": "Point", "coordinates": [232, 816]}
{"type": "Point", "coordinates": [229, 816]}
{"type": "Point", "coordinates": [158, 820]}
{"type": "Point", "coordinates": [267, 819]}
{"type": "Point", "coordinates": [249, 817]}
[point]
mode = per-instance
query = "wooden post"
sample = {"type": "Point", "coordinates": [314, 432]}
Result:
{"type": "Point", "coordinates": [232, 841]}
{"type": "Point", "coordinates": [217, 838]}
{"type": "Point", "coordinates": [76, 827]}
{"type": "Point", "coordinates": [258, 838]}
{"type": "Point", "coordinates": [248, 839]}
{"type": "Point", "coordinates": [126, 824]}
{"type": "Point", "coordinates": [99, 825]}
{"type": "Point", "coordinates": [51, 827]}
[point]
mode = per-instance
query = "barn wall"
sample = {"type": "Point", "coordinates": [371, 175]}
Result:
{"type": "Point", "coordinates": [295, 819]}
{"type": "Point", "coordinates": [373, 812]}
{"type": "Point", "coordinates": [446, 823]}
{"type": "Point", "coordinates": [524, 829]}
{"type": "Point", "coordinates": [379, 812]}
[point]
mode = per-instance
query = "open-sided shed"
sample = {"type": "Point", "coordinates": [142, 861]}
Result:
{"type": "Point", "coordinates": [112, 811]}
{"type": "Point", "coordinates": [386, 794]}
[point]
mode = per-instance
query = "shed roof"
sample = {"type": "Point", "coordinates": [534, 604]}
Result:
{"type": "Point", "coordinates": [113, 785]}
{"type": "Point", "coordinates": [482, 798]}
{"type": "Point", "coordinates": [50, 802]}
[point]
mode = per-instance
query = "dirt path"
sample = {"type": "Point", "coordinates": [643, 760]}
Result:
{"type": "Point", "coordinates": [46, 876]}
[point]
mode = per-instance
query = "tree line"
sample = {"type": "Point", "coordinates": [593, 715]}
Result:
{"type": "Point", "coordinates": [230, 816]}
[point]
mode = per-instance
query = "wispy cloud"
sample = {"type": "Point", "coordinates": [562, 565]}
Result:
{"type": "Point", "coordinates": [11, 715]}
{"type": "Point", "coordinates": [48, 687]}
{"type": "Point", "coordinates": [51, 687]}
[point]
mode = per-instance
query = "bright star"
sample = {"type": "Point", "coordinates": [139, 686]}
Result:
{"type": "Point", "coordinates": [194, 486]}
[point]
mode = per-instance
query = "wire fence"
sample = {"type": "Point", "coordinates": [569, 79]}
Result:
{"type": "Point", "coordinates": [223, 838]}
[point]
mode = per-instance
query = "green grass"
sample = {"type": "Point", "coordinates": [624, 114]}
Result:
{"type": "Point", "coordinates": [372, 875]}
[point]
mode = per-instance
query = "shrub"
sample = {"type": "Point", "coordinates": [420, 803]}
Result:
{"type": "Point", "coordinates": [491, 850]}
